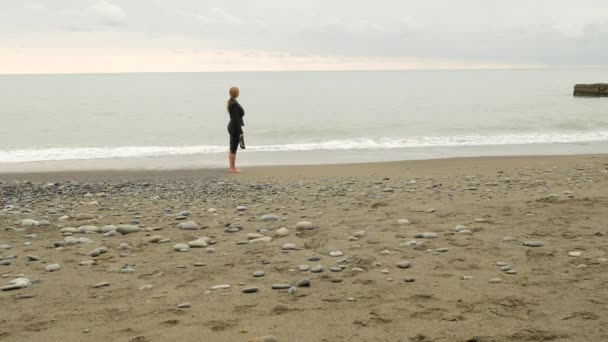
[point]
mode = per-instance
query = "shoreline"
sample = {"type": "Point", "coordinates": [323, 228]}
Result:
{"type": "Point", "coordinates": [306, 171]}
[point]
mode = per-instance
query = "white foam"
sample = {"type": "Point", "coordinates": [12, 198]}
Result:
{"type": "Point", "coordinates": [84, 153]}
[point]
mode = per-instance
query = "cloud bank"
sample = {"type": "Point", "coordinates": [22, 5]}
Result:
{"type": "Point", "coordinates": [194, 35]}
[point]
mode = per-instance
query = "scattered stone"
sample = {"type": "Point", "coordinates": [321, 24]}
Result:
{"type": "Point", "coordinates": [409, 279]}
{"type": "Point", "coordinates": [314, 258]}
{"type": "Point", "coordinates": [304, 225]}
{"type": "Point", "coordinates": [250, 289]}
{"type": "Point", "coordinates": [336, 253]}
{"type": "Point", "coordinates": [52, 268]}
{"type": "Point", "coordinates": [403, 222]}
{"type": "Point", "coordinates": [495, 280]}
{"type": "Point", "coordinates": [181, 247]}
{"type": "Point", "coordinates": [280, 286]}
{"type": "Point", "coordinates": [190, 225]}
{"type": "Point", "coordinates": [197, 243]}
{"type": "Point", "coordinates": [292, 290]}
{"type": "Point", "coordinates": [33, 258]}
{"type": "Point", "coordinates": [575, 254]}
{"type": "Point", "coordinates": [183, 306]}
{"type": "Point", "coordinates": [241, 208]}
{"type": "Point", "coordinates": [335, 269]}
{"type": "Point", "coordinates": [501, 263]}
{"type": "Point", "coordinates": [87, 263]}
{"type": "Point", "coordinates": [258, 274]}
{"type": "Point", "coordinates": [303, 268]}
{"type": "Point", "coordinates": [288, 247]}
{"type": "Point", "coordinates": [220, 287]}
{"type": "Point", "coordinates": [125, 229]}
{"type": "Point", "coordinates": [269, 218]}
{"type": "Point", "coordinates": [427, 235]}
{"type": "Point", "coordinates": [282, 232]}
{"type": "Point", "coordinates": [304, 282]}
{"type": "Point", "coordinates": [16, 284]}
{"type": "Point", "coordinates": [467, 277]}
{"type": "Point", "coordinates": [317, 269]}
{"type": "Point", "coordinates": [442, 250]}
{"type": "Point", "coordinates": [155, 239]}
{"type": "Point", "coordinates": [533, 243]}
{"type": "Point", "coordinates": [103, 284]}
{"type": "Point", "coordinates": [404, 264]}
{"type": "Point", "coordinates": [29, 223]}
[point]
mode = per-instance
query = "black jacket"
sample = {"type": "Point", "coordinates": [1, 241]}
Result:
{"type": "Point", "coordinates": [236, 117]}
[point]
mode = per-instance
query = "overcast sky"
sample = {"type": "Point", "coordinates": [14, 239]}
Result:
{"type": "Point", "coordinates": [47, 36]}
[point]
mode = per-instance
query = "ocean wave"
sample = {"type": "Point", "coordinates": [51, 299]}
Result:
{"type": "Point", "coordinates": [84, 153]}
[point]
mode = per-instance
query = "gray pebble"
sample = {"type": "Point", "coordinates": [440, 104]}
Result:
{"type": "Point", "coordinates": [317, 269]}
{"type": "Point", "coordinates": [314, 258]}
{"type": "Point", "coordinates": [304, 282]}
{"type": "Point", "coordinates": [303, 268]}
{"type": "Point", "coordinates": [501, 263]}
{"type": "Point", "coordinates": [183, 306]}
{"type": "Point", "coordinates": [409, 279]}
{"type": "Point", "coordinates": [280, 286]}
{"type": "Point", "coordinates": [533, 243]}
{"type": "Point", "coordinates": [52, 268]}
{"type": "Point", "coordinates": [404, 264]}
{"type": "Point", "coordinates": [292, 290]}
{"type": "Point", "coordinates": [250, 289]}
{"type": "Point", "coordinates": [5, 262]}
{"type": "Point", "coordinates": [442, 249]}
{"type": "Point", "coordinates": [258, 274]}
{"type": "Point", "coordinates": [335, 269]}
{"type": "Point", "coordinates": [105, 283]}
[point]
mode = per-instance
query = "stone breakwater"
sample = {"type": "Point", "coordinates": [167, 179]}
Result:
{"type": "Point", "coordinates": [498, 253]}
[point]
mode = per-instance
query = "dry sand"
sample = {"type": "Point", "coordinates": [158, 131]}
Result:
{"type": "Point", "coordinates": [504, 202]}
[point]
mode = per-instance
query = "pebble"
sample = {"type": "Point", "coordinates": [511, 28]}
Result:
{"type": "Point", "coordinates": [29, 223]}
{"type": "Point", "coordinates": [269, 218]}
{"type": "Point", "coordinates": [263, 239]}
{"type": "Point", "coordinates": [16, 284]}
{"type": "Point", "coordinates": [467, 277]}
{"type": "Point", "coordinates": [52, 268]}
{"type": "Point", "coordinates": [268, 338]}
{"type": "Point", "coordinates": [460, 228]}
{"type": "Point", "coordinates": [427, 235]}
{"type": "Point", "coordinates": [280, 286]}
{"type": "Point", "coordinates": [146, 287]}
{"type": "Point", "coordinates": [288, 247]}
{"type": "Point", "coordinates": [409, 279]}
{"type": "Point", "coordinates": [303, 268]}
{"type": "Point", "coordinates": [575, 254]}
{"type": "Point", "coordinates": [403, 222]}
{"type": "Point", "coordinates": [181, 247]}
{"type": "Point", "coordinates": [501, 263]}
{"type": "Point", "coordinates": [220, 287]}
{"type": "Point", "coordinates": [241, 208]}
{"type": "Point", "coordinates": [505, 268]}
{"type": "Point", "coordinates": [442, 249]}
{"type": "Point", "coordinates": [335, 269]}
{"type": "Point", "coordinates": [258, 274]}
{"type": "Point", "coordinates": [304, 282]}
{"type": "Point", "coordinates": [105, 283]}
{"type": "Point", "coordinates": [282, 232]}
{"type": "Point", "coordinates": [33, 258]}
{"type": "Point", "coordinates": [317, 269]}
{"type": "Point", "coordinates": [602, 259]}
{"type": "Point", "coordinates": [336, 253]}
{"type": "Point", "coordinates": [404, 264]}
{"type": "Point", "coordinates": [155, 239]}
{"type": "Point", "coordinates": [533, 243]}
{"type": "Point", "coordinates": [5, 262]}
{"type": "Point", "coordinates": [190, 225]}
{"type": "Point", "coordinates": [125, 229]}
{"type": "Point", "coordinates": [199, 264]}
{"type": "Point", "coordinates": [304, 225]}
{"type": "Point", "coordinates": [197, 243]}
{"type": "Point", "coordinates": [314, 258]}
{"type": "Point", "coordinates": [495, 280]}
{"type": "Point", "coordinates": [511, 272]}
{"type": "Point", "coordinates": [87, 263]}
{"type": "Point", "coordinates": [250, 289]}
{"type": "Point", "coordinates": [183, 305]}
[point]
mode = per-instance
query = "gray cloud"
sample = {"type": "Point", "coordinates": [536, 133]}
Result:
{"type": "Point", "coordinates": [517, 31]}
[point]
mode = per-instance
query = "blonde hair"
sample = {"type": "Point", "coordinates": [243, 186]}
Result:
{"type": "Point", "coordinates": [234, 93]}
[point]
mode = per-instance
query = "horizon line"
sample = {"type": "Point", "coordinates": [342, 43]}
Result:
{"type": "Point", "coordinates": [535, 67]}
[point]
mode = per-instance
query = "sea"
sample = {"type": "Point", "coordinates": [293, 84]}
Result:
{"type": "Point", "coordinates": [178, 120]}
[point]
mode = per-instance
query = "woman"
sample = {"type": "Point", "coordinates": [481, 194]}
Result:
{"type": "Point", "coordinates": [235, 127]}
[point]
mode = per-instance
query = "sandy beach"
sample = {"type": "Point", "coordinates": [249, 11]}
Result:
{"type": "Point", "coordinates": [472, 249]}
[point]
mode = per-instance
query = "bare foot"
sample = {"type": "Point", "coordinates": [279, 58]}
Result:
{"type": "Point", "coordinates": [235, 171]}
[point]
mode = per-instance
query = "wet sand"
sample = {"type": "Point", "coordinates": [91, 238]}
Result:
{"type": "Point", "coordinates": [364, 222]}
